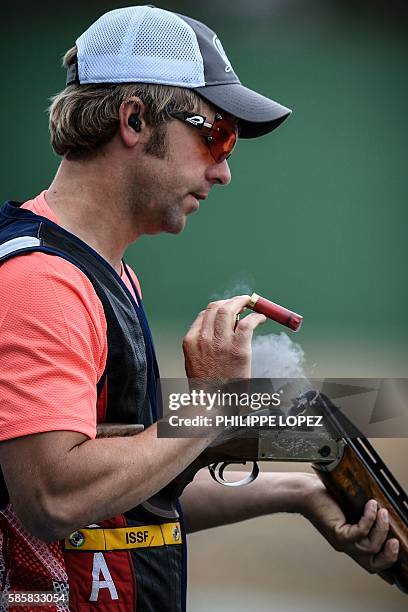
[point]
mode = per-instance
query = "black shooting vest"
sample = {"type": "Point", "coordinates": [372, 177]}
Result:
{"type": "Point", "coordinates": [131, 373]}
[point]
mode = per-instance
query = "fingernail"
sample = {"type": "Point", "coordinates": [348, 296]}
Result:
{"type": "Point", "coordinates": [384, 516]}
{"type": "Point", "coordinates": [395, 547]}
{"type": "Point", "coordinates": [372, 504]}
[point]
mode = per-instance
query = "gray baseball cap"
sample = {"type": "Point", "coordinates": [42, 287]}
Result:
{"type": "Point", "coordinates": [145, 44]}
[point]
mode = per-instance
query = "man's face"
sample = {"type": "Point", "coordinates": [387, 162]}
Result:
{"type": "Point", "coordinates": [175, 172]}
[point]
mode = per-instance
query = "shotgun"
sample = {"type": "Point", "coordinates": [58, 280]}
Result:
{"type": "Point", "coordinates": [349, 467]}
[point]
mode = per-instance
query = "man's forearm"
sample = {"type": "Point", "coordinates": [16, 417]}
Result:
{"type": "Point", "coordinates": [85, 481]}
{"type": "Point", "coordinates": [208, 504]}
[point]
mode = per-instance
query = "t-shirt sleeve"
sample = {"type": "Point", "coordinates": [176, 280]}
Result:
{"type": "Point", "coordinates": [52, 347]}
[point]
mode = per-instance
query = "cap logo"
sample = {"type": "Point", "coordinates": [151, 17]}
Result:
{"type": "Point", "coordinates": [196, 120]}
{"type": "Point", "coordinates": [217, 44]}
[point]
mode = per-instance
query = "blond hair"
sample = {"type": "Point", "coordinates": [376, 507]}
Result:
{"type": "Point", "coordinates": [83, 118]}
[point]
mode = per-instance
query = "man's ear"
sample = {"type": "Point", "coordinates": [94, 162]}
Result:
{"type": "Point", "coordinates": [135, 122]}
{"type": "Point", "coordinates": [131, 120]}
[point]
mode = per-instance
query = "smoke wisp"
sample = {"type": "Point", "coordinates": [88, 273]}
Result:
{"type": "Point", "coordinates": [277, 356]}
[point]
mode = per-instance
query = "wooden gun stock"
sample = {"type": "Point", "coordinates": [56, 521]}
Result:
{"type": "Point", "coordinates": [361, 475]}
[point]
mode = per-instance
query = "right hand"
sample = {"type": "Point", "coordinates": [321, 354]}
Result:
{"type": "Point", "coordinates": [215, 347]}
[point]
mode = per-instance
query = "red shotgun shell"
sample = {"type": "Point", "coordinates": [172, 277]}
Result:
{"type": "Point", "coordinates": [275, 312]}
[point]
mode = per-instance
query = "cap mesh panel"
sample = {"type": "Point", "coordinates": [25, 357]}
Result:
{"type": "Point", "coordinates": [140, 44]}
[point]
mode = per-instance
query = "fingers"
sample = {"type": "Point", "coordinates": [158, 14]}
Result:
{"type": "Point", "coordinates": [354, 533]}
{"type": "Point", "coordinates": [382, 553]}
{"type": "Point", "coordinates": [386, 557]}
{"type": "Point", "coordinates": [212, 349]}
{"type": "Point", "coordinates": [366, 542]}
{"type": "Point", "coordinates": [218, 319]}
{"type": "Point", "coordinates": [371, 532]}
{"type": "Point", "coordinates": [372, 549]}
{"type": "Point", "coordinates": [378, 534]}
{"type": "Point", "coordinates": [245, 327]}
{"type": "Point", "coordinates": [196, 324]}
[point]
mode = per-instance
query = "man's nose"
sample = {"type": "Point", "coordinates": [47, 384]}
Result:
{"type": "Point", "coordinates": [219, 173]}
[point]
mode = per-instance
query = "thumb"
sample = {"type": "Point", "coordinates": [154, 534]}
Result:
{"type": "Point", "coordinates": [246, 326]}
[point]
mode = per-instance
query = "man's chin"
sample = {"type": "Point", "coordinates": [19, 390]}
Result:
{"type": "Point", "coordinates": [168, 226]}
{"type": "Point", "coordinates": [176, 226]}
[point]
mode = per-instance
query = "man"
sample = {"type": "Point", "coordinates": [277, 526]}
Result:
{"type": "Point", "coordinates": [149, 116]}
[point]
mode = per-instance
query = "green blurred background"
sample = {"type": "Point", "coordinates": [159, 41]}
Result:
{"type": "Point", "coordinates": [315, 218]}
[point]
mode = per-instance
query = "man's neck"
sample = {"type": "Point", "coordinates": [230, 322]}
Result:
{"type": "Point", "coordinates": [87, 202]}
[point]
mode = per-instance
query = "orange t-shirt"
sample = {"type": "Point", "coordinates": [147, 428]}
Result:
{"type": "Point", "coordinates": [53, 344]}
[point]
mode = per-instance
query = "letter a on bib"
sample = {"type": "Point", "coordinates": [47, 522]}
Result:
{"type": "Point", "coordinates": [101, 578]}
